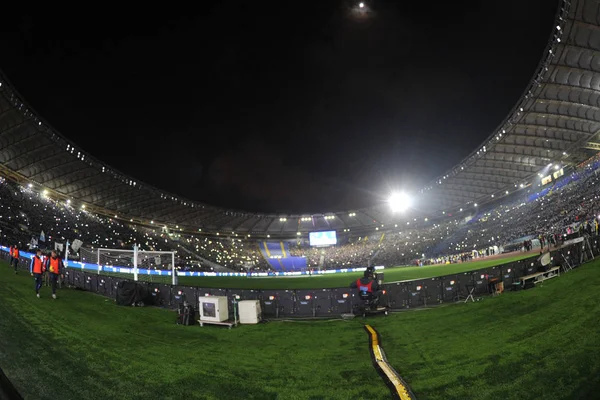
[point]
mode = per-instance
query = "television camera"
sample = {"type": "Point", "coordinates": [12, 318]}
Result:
{"type": "Point", "coordinates": [372, 295]}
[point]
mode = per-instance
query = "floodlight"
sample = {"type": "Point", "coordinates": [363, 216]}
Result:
{"type": "Point", "coordinates": [399, 202]}
{"type": "Point", "coordinates": [361, 5]}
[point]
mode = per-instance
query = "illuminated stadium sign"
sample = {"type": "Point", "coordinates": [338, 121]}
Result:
{"type": "Point", "coordinates": [558, 173]}
{"type": "Point", "coordinates": [324, 238]}
{"type": "Point", "coordinates": [546, 180]}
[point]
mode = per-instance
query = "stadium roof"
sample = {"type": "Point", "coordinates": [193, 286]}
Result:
{"type": "Point", "coordinates": [556, 121]}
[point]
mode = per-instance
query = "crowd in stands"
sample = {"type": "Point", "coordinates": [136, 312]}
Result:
{"type": "Point", "coordinates": [350, 253]}
{"type": "Point", "coordinates": [27, 217]}
{"type": "Point", "coordinates": [544, 215]}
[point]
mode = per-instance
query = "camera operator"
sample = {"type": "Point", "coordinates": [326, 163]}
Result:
{"type": "Point", "coordinates": [368, 284]}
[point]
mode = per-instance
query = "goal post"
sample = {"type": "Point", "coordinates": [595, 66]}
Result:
{"type": "Point", "coordinates": [157, 266]}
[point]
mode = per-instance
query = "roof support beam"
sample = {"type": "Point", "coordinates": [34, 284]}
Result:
{"type": "Point", "coordinates": [5, 132]}
{"type": "Point", "coordinates": [535, 138]}
{"type": "Point", "coordinates": [25, 152]}
{"type": "Point", "coordinates": [139, 200]}
{"type": "Point", "coordinates": [550, 129]}
{"type": "Point", "coordinates": [487, 183]}
{"type": "Point", "coordinates": [35, 160]}
{"type": "Point", "coordinates": [509, 165]}
{"type": "Point", "coordinates": [93, 182]}
{"type": "Point", "coordinates": [47, 170]}
{"type": "Point", "coordinates": [469, 194]}
{"type": "Point", "coordinates": [187, 217]}
{"type": "Point", "coordinates": [498, 146]}
{"type": "Point", "coordinates": [174, 210]}
{"type": "Point", "coordinates": [497, 174]}
{"type": "Point", "coordinates": [572, 89]}
{"type": "Point", "coordinates": [449, 201]}
{"type": "Point", "coordinates": [66, 172]}
{"type": "Point", "coordinates": [151, 205]}
{"type": "Point", "coordinates": [79, 176]}
{"type": "Point", "coordinates": [99, 188]}
{"type": "Point", "coordinates": [534, 156]}
{"type": "Point", "coordinates": [545, 102]}
{"type": "Point", "coordinates": [120, 192]}
{"type": "Point", "coordinates": [557, 115]}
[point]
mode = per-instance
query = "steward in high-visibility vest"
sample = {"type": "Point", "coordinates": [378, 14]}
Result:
{"type": "Point", "coordinates": [54, 265]}
{"type": "Point", "coordinates": [14, 260]}
{"type": "Point", "coordinates": [36, 269]}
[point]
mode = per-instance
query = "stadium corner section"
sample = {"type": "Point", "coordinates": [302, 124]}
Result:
{"type": "Point", "coordinates": [394, 382]}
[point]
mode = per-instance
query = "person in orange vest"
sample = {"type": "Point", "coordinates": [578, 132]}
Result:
{"type": "Point", "coordinates": [54, 266]}
{"type": "Point", "coordinates": [15, 257]}
{"type": "Point", "coordinates": [36, 269]}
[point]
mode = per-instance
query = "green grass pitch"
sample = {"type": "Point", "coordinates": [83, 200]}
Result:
{"type": "Point", "coordinates": [536, 344]}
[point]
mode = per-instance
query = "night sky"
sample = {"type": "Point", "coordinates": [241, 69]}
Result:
{"type": "Point", "coordinates": [279, 107]}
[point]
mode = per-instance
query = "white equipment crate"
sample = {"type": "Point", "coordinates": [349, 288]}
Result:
{"type": "Point", "coordinates": [213, 308]}
{"type": "Point", "coordinates": [250, 312]}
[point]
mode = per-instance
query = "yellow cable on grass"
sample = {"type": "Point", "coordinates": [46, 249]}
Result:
{"type": "Point", "coordinates": [398, 387]}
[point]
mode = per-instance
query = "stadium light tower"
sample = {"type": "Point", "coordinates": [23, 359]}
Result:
{"type": "Point", "coordinates": [399, 202]}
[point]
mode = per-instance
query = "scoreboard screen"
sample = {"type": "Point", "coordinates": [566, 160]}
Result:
{"type": "Point", "coordinates": [323, 238]}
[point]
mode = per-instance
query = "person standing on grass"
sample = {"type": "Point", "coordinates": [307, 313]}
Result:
{"type": "Point", "coordinates": [54, 266]}
{"type": "Point", "coordinates": [15, 257]}
{"type": "Point", "coordinates": [46, 275]}
{"type": "Point", "coordinates": [36, 269]}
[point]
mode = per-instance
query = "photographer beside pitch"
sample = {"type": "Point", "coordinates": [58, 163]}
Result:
{"type": "Point", "coordinates": [36, 269]}
{"type": "Point", "coordinates": [54, 266]}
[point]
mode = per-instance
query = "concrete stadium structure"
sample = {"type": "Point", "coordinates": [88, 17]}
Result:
{"type": "Point", "coordinates": [556, 121]}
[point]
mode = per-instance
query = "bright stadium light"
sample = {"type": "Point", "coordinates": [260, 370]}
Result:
{"type": "Point", "coordinates": [399, 202]}
{"type": "Point", "coordinates": [361, 5]}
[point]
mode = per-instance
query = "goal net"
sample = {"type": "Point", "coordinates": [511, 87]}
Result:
{"type": "Point", "coordinates": [148, 266]}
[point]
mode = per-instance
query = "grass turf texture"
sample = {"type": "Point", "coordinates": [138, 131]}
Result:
{"type": "Point", "coordinates": [539, 343]}
{"type": "Point", "coordinates": [328, 280]}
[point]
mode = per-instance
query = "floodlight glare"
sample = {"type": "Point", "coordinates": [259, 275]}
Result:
{"type": "Point", "coordinates": [399, 202]}
{"type": "Point", "coordinates": [361, 5]}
